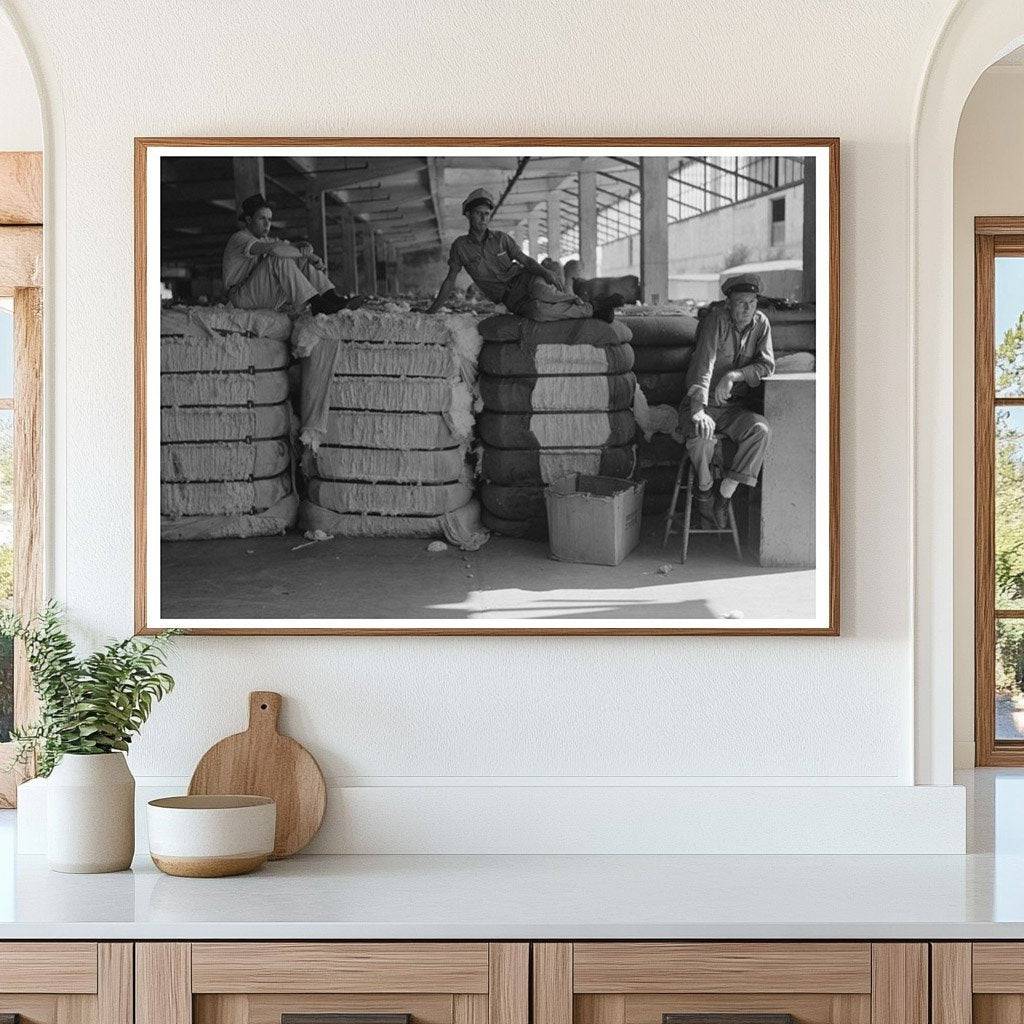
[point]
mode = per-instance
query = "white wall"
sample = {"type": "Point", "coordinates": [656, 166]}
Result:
{"type": "Point", "coordinates": [21, 124]}
{"type": "Point", "coordinates": [988, 181]}
{"type": "Point", "coordinates": [444, 713]}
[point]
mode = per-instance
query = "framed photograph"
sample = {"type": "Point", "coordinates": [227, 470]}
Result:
{"type": "Point", "coordinates": [487, 386]}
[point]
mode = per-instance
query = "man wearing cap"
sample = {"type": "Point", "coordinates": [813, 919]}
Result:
{"type": "Point", "coordinates": [505, 274]}
{"type": "Point", "coordinates": [733, 354]}
{"type": "Point", "coordinates": [261, 272]}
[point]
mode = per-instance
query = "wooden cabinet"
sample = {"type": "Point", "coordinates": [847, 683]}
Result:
{"type": "Point", "coordinates": [259, 982]}
{"type": "Point", "coordinates": [815, 982]}
{"type": "Point", "coordinates": [980, 982]}
{"type": "Point", "coordinates": [66, 982]}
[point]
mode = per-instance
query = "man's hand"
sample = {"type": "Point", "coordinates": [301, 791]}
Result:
{"type": "Point", "coordinates": [306, 248]}
{"type": "Point", "coordinates": [703, 425]}
{"type": "Point", "coordinates": [724, 387]}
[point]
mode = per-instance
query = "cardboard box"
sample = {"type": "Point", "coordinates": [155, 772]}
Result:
{"type": "Point", "coordinates": [593, 519]}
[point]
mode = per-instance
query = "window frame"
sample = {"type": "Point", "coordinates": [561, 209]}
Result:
{"type": "Point", "coordinates": [993, 237]}
{"type": "Point", "coordinates": [21, 260]}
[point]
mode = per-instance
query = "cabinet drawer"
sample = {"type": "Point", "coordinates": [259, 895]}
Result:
{"type": "Point", "coordinates": [340, 967]}
{"type": "Point", "coordinates": [635, 967]}
{"type": "Point", "coordinates": [260, 982]}
{"type": "Point", "coordinates": [48, 967]}
{"type": "Point", "coordinates": [749, 982]}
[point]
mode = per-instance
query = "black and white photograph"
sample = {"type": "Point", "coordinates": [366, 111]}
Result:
{"type": "Point", "coordinates": [458, 387]}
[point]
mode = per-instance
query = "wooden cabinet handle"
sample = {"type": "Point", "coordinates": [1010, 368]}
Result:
{"type": "Point", "coordinates": [727, 1018]}
{"type": "Point", "coordinates": [339, 1018]}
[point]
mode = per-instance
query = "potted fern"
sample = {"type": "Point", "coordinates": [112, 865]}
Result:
{"type": "Point", "coordinates": [89, 710]}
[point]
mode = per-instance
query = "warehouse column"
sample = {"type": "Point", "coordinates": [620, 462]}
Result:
{"type": "Point", "coordinates": [368, 269]}
{"type": "Point", "coordinates": [348, 278]}
{"type": "Point", "coordinates": [248, 173]}
{"type": "Point", "coordinates": [654, 228]}
{"type": "Point", "coordinates": [554, 208]}
{"type": "Point", "coordinates": [810, 275]}
{"type": "Point", "coordinates": [316, 222]}
{"type": "Point", "coordinates": [588, 223]}
{"type": "Point", "coordinates": [533, 224]}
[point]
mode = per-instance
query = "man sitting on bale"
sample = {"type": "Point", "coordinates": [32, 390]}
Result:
{"type": "Point", "coordinates": [505, 274]}
{"type": "Point", "coordinates": [261, 272]}
{"type": "Point", "coordinates": [733, 354]}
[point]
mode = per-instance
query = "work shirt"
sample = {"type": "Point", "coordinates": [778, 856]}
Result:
{"type": "Point", "coordinates": [720, 348]}
{"type": "Point", "coordinates": [239, 263]}
{"type": "Point", "coordinates": [490, 262]}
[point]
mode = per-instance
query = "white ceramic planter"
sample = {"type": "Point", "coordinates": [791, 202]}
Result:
{"type": "Point", "coordinates": [90, 814]}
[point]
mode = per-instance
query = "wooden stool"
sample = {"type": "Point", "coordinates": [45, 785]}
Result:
{"type": "Point", "coordinates": [686, 466]}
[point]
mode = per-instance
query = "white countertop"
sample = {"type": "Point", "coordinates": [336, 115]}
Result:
{"type": "Point", "coordinates": [977, 896]}
{"type": "Point", "coordinates": [532, 897]}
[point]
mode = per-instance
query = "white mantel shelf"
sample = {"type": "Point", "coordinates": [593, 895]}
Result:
{"type": "Point", "coordinates": [531, 897]}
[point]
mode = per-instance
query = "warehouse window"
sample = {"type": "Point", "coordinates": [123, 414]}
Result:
{"type": "Point", "coordinates": [778, 233]}
{"type": "Point", "coordinates": [999, 491]}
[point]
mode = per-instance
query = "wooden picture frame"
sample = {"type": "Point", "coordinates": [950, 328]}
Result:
{"type": "Point", "coordinates": [148, 152]}
{"type": "Point", "coordinates": [993, 237]}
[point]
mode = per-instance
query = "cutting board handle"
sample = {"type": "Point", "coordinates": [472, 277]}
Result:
{"type": "Point", "coordinates": [264, 710]}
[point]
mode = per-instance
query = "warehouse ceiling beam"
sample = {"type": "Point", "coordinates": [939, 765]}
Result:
{"type": "Point", "coordinates": [727, 170]}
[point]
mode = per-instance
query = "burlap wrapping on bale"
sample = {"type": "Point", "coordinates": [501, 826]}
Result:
{"type": "Point", "coordinates": [556, 429]}
{"type": "Point", "coordinates": [505, 327]}
{"type": "Point", "coordinates": [320, 340]}
{"type": "Point", "coordinates": [278, 519]}
{"type": "Point", "coordinates": [501, 359]}
{"type": "Point", "coordinates": [516, 503]}
{"type": "Point", "coordinates": [225, 456]}
{"type": "Point", "coordinates": [389, 499]}
{"type": "Point", "coordinates": [662, 360]}
{"type": "Point", "coordinates": [662, 331]}
{"type": "Point", "coordinates": [375, 465]}
{"type": "Point", "coordinates": [382, 359]}
{"type": "Point", "coordinates": [795, 362]}
{"type": "Point", "coordinates": [544, 465]}
{"type": "Point", "coordinates": [520, 529]}
{"type": "Point", "coordinates": [224, 498]}
{"type": "Point", "coordinates": [213, 423]}
{"type": "Point", "coordinates": [231, 354]}
{"type": "Point", "coordinates": [210, 323]}
{"type": "Point", "coordinates": [558, 394]}
{"type": "Point", "coordinates": [261, 388]}
{"type": "Point", "coordinates": [389, 430]}
{"type": "Point", "coordinates": [223, 460]}
{"type": "Point", "coordinates": [461, 527]}
{"type": "Point", "coordinates": [401, 394]}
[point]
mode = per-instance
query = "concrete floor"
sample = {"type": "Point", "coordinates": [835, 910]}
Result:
{"type": "Point", "coordinates": [286, 577]}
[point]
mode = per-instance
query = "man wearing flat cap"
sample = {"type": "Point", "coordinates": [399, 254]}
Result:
{"type": "Point", "coordinates": [733, 354]}
{"type": "Point", "coordinates": [505, 274]}
{"type": "Point", "coordinates": [261, 272]}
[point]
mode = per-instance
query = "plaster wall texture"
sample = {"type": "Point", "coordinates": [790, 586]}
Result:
{"type": "Point", "coordinates": [987, 182]}
{"type": "Point", "coordinates": [437, 713]}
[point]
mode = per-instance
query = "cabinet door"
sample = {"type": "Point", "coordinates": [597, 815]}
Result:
{"type": "Point", "coordinates": [737, 982]}
{"type": "Point", "coordinates": [66, 982]}
{"type": "Point", "coordinates": [306, 982]}
{"type": "Point", "coordinates": [981, 982]}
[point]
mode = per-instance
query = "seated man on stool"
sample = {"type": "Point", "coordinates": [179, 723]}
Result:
{"type": "Point", "coordinates": [733, 354]}
{"type": "Point", "coordinates": [261, 272]}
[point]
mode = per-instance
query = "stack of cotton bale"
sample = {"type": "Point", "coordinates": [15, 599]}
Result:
{"type": "Point", "coordinates": [557, 399]}
{"type": "Point", "coordinates": [225, 424]}
{"type": "Point", "coordinates": [663, 344]}
{"type": "Point", "coordinates": [387, 419]}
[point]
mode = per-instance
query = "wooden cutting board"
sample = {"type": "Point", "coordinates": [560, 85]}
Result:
{"type": "Point", "coordinates": [262, 762]}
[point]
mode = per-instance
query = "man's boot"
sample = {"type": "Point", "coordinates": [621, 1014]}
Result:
{"type": "Point", "coordinates": [604, 308]}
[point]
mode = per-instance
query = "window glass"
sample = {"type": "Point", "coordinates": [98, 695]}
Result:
{"type": "Point", "coordinates": [1009, 493]}
{"type": "Point", "coordinates": [1009, 327]}
{"type": "Point", "coordinates": [1009, 679]}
